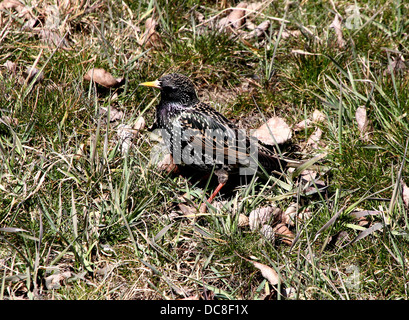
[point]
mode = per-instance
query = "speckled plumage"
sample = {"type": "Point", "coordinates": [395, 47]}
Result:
{"type": "Point", "coordinates": [180, 108]}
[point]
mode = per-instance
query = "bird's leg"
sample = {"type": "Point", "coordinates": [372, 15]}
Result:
{"type": "Point", "coordinates": [222, 178]}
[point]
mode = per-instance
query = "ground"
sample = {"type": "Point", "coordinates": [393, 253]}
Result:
{"type": "Point", "coordinates": [82, 218]}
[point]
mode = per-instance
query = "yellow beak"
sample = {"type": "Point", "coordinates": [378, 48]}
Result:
{"type": "Point", "coordinates": [154, 84]}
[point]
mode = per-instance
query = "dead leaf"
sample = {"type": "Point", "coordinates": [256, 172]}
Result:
{"type": "Point", "coordinates": [23, 11]}
{"type": "Point", "coordinates": [167, 164]}
{"type": "Point", "coordinates": [405, 193]}
{"type": "Point", "coordinates": [31, 73]}
{"type": "Point", "coordinates": [10, 66]}
{"type": "Point", "coordinates": [269, 273]}
{"type": "Point", "coordinates": [125, 134]}
{"type": "Point", "coordinates": [150, 37]}
{"type": "Point", "coordinates": [243, 220]}
{"type": "Point", "coordinates": [318, 116]}
{"type": "Point", "coordinates": [187, 211]}
{"type": "Point", "coordinates": [114, 114]}
{"type": "Point", "coordinates": [139, 124]}
{"type": "Point", "coordinates": [260, 31]}
{"type": "Point", "coordinates": [55, 280]}
{"type": "Point", "coordinates": [315, 137]}
{"type": "Point", "coordinates": [103, 78]}
{"type": "Point", "coordinates": [268, 232]}
{"type": "Point", "coordinates": [289, 215]}
{"type": "Point", "coordinates": [235, 19]}
{"type": "Point", "coordinates": [397, 64]}
{"type": "Point", "coordinates": [336, 24]}
{"type": "Point", "coordinates": [286, 235]}
{"type": "Point", "coordinates": [290, 33]}
{"type": "Point", "coordinates": [9, 120]}
{"type": "Point", "coordinates": [302, 125]}
{"type": "Point", "coordinates": [260, 216]}
{"type": "Point", "coordinates": [362, 120]}
{"type": "Point", "coordinates": [276, 130]}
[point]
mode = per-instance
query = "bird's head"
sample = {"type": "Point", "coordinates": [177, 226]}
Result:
{"type": "Point", "coordinates": [175, 88]}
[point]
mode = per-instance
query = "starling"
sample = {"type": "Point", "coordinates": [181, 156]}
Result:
{"type": "Point", "coordinates": [194, 128]}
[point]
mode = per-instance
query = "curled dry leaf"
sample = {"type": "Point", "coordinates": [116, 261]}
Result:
{"type": "Point", "coordinates": [285, 234]}
{"type": "Point", "coordinates": [9, 120]}
{"type": "Point", "coordinates": [10, 66]}
{"type": "Point", "coordinates": [276, 130]}
{"type": "Point", "coordinates": [187, 211]}
{"type": "Point", "coordinates": [259, 31]}
{"type": "Point", "coordinates": [235, 19]}
{"type": "Point", "coordinates": [54, 281]}
{"type": "Point", "coordinates": [362, 120]}
{"type": "Point", "coordinates": [318, 116]}
{"type": "Point", "coordinates": [302, 125]}
{"type": "Point", "coordinates": [315, 137]}
{"type": "Point", "coordinates": [243, 220]}
{"type": "Point", "coordinates": [289, 215]}
{"type": "Point", "coordinates": [103, 78]}
{"type": "Point", "coordinates": [290, 33]}
{"type": "Point", "coordinates": [125, 135]}
{"type": "Point", "coordinates": [336, 24]}
{"type": "Point", "coordinates": [269, 273]}
{"type": "Point", "coordinates": [167, 164]}
{"type": "Point", "coordinates": [139, 124]}
{"type": "Point", "coordinates": [150, 37]}
{"type": "Point", "coordinates": [260, 216]}
{"type": "Point", "coordinates": [114, 114]}
{"type": "Point", "coordinates": [268, 232]}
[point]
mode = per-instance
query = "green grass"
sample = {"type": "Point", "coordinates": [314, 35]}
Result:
{"type": "Point", "coordinates": [71, 201]}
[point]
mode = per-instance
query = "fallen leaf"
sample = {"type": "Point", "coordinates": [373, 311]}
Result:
{"type": "Point", "coordinates": [114, 114]}
{"type": "Point", "coordinates": [243, 220]}
{"type": "Point", "coordinates": [187, 211]}
{"type": "Point", "coordinates": [33, 73]}
{"type": "Point", "coordinates": [336, 24]}
{"type": "Point", "coordinates": [405, 193]}
{"type": "Point", "coordinates": [22, 10]}
{"type": "Point", "coordinates": [260, 216]}
{"type": "Point", "coordinates": [10, 66]}
{"type": "Point", "coordinates": [54, 281]}
{"type": "Point", "coordinates": [235, 19]}
{"type": "Point", "coordinates": [260, 31]}
{"type": "Point", "coordinates": [276, 130]}
{"type": "Point", "coordinates": [362, 120]}
{"type": "Point", "coordinates": [314, 138]}
{"type": "Point", "coordinates": [125, 134]}
{"type": "Point", "coordinates": [268, 232]}
{"type": "Point", "coordinates": [167, 164]}
{"type": "Point", "coordinates": [269, 273]}
{"type": "Point", "coordinates": [290, 33]}
{"type": "Point", "coordinates": [302, 125]}
{"type": "Point", "coordinates": [103, 78]}
{"type": "Point", "coordinates": [318, 116]}
{"type": "Point", "coordinates": [286, 235]}
{"type": "Point", "coordinates": [150, 37]}
{"type": "Point", "coordinates": [289, 215]}
{"type": "Point", "coordinates": [139, 124]}
{"type": "Point", "coordinates": [397, 64]}
{"type": "Point", "coordinates": [9, 120]}
{"type": "Point", "coordinates": [308, 175]}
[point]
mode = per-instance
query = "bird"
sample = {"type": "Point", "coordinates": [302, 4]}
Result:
{"type": "Point", "coordinates": [192, 126]}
